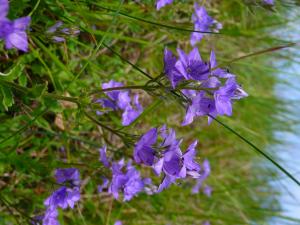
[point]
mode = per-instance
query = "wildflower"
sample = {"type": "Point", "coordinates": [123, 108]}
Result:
{"type": "Point", "coordinates": [131, 113]}
{"type": "Point", "coordinates": [224, 95]}
{"type": "Point", "coordinates": [205, 172]}
{"type": "Point", "coordinates": [50, 217]}
{"type": "Point", "coordinates": [118, 222]}
{"type": "Point", "coordinates": [189, 165]}
{"type": "Point", "coordinates": [59, 32]}
{"type": "Point", "coordinates": [207, 190]}
{"type": "Point", "coordinates": [68, 174]}
{"type": "Point", "coordinates": [268, 2]}
{"type": "Point", "coordinates": [143, 151]}
{"type": "Point", "coordinates": [63, 197]}
{"type": "Point", "coordinates": [215, 71]}
{"type": "Point", "coordinates": [170, 69]}
{"type": "Point", "coordinates": [202, 22]}
{"type": "Point", "coordinates": [162, 3]}
{"type": "Point", "coordinates": [201, 106]}
{"type": "Point", "coordinates": [103, 157]}
{"type": "Point", "coordinates": [130, 182]}
{"type": "Point", "coordinates": [213, 98]}
{"type": "Point", "coordinates": [104, 184]}
{"type": "Point", "coordinates": [13, 32]}
{"type": "Point", "coordinates": [120, 100]}
{"type": "Point", "coordinates": [191, 66]}
{"type": "Point", "coordinates": [173, 164]}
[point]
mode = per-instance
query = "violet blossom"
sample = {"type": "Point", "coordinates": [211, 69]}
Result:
{"type": "Point", "coordinates": [215, 88]}
{"type": "Point", "coordinates": [203, 23]}
{"type": "Point", "coordinates": [170, 162]}
{"type": "Point", "coordinates": [103, 157]}
{"type": "Point", "coordinates": [121, 100]}
{"type": "Point", "coordinates": [65, 196]}
{"type": "Point", "coordinates": [58, 32]}
{"type": "Point", "coordinates": [130, 182]}
{"type": "Point", "coordinates": [143, 151]}
{"type": "Point", "coordinates": [162, 3]}
{"type": "Point", "coordinates": [13, 32]}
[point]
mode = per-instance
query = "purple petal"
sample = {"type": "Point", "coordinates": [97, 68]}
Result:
{"type": "Point", "coordinates": [4, 6]}
{"type": "Point", "coordinates": [103, 157]}
{"type": "Point", "coordinates": [162, 3]}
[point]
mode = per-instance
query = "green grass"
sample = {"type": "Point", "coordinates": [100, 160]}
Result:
{"type": "Point", "coordinates": [30, 137]}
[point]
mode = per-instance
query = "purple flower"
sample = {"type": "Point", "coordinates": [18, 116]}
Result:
{"type": "Point", "coordinates": [50, 217]}
{"type": "Point", "coordinates": [58, 39]}
{"type": "Point", "coordinates": [143, 151]}
{"type": "Point", "coordinates": [14, 32]}
{"type": "Point", "coordinates": [131, 113]}
{"type": "Point", "coordinates": [68, 174]}
{"type": "Point", "coordinates": [134, 184]}
{"type": "Point", "coordinates": [118, 222]}
{"type": "Point", "coordinates": [130, 183]}
{"type": "Point", "coordinates": [162, 3]}
{"type": "Point", "coordinates": [202, 22]}
{"type": "Point", "coordinates": [54, 28]}
{"type": "Point", "coordinates": [61, 32]}
{"type": "Point", "coordinates": [169, 68]}
{"type": "Point", "coordinates": [215, 71]}
{"type": "Point", "coordinates": [207, 190]}
{"type": "Point", "coordinates": [204, 174]}
{"type": "Point", "coordinates": [190, 167]}
{"type": "Point", "coordinates": [268, 2]}
{"type": "Point", "coordinates": [103, 157]}
{"type": "Point", "coordinates": [201, 106]}
{"type": "Point", "coordinates": [224, 95]}
{"type": "Point", "coordinates": [191, 66]}
{"type": "Point", "coordinates": [63, 197]}
{"type": "Point", "coordinates": [105, 183]}
{"type": "Point", "coordinates": [120, 99]}
{"type": "Point", "coordinates": [167, 181]}
{"type": "Point", "coordinates": [170, 163]}
{"type": "Point", "coordinates": [3, 9]}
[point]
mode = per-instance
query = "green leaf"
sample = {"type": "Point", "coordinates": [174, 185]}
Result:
{"type": "Point", "coordinates": [7, 97]}
{"type": "Point", "coordinates": [23, 80]}
{"type": "Point", "coordinates": [37, 91]}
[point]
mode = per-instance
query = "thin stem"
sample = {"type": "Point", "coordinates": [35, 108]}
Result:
{"type": "Point", "coordinates": [155, 23]}
{"type": "Point", "coordinates": [88, 115]}
{"type": "Point", "coordinates": [35, 7]}
{"type": "Point", "coordinates": [141, 87]}
{"type": "Point", "coordinates": [258, 150]}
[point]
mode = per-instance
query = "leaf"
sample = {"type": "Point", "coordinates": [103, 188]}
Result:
{"type": "Point", "coordinates": [23, 80]}
{"type": "Point", "coordinates": [37, 91]}
{"type": "Point", "coordinates": [7, 97]}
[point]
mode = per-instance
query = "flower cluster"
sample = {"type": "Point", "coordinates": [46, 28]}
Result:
{"type": "Point", "coordinates": [204, 23]}
{"type": "Point", "coordinates": [170, 161]}
{"type": "Point", "coordinates": [65, 196]}
{"type": "Point", "coordinates": [58, 31]}
{"type": "Point", "coordinates": [121, 100]}
{"type": "Point", "coordinates": [13, 32]}
{"type": "Point", "coordinates": [125, 178]}
{"type": "Point", "coordinates": [217, 88]}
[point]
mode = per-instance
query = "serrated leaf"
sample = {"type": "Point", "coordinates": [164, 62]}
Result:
{"type": "Point", "coordinates": [7, 97]}
{"type": "Point", "coordinates": [23, 80]}
{"type": "Point", "coordinates": [37, 91]}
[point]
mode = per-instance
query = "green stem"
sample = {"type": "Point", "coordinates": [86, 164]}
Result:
{"type": "Point", "coordinates": [155, 23]}
{"type": "Point", "coordinates": [261, 152]}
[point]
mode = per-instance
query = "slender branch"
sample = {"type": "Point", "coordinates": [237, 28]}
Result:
{"type": "Point", "coordinates": [261, 152]}
{"type": "Point", "coordinates": [155, 23]}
